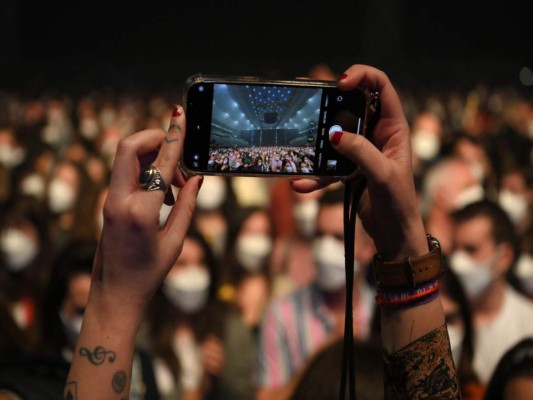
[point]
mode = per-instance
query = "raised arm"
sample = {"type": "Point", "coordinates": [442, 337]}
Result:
{"type": "Point", "coordinates": [133, 256]}
{"type": "Point", "coordinates": [419, 361]}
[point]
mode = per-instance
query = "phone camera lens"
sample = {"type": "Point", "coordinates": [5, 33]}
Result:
{"type": "Point", "coordinates": [201, 88]}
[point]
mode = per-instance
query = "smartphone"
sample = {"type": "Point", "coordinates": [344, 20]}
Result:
{"type": "Point", "coordinates": [248, 126]}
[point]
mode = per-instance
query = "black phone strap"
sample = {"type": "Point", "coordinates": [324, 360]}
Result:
{"type": "Point", "coordinates": [353, 191]}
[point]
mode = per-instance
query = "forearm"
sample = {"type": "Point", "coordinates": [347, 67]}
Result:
{"type": "Point", "coordinates": [102, 361]}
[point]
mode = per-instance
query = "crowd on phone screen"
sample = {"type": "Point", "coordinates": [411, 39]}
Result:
{"type": "Point", "coordinates": [251, 246]}
{"type": "Point", "coordinates": [262, 159]}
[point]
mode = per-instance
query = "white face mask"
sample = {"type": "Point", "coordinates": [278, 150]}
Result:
{"type": "Point", "coordinates": [33, 185]}
{"type": "Point", "coordinates": [469, 195]}
{"type": "Point", "coordinates": [305, 213]}
{"type": "Point", "coordinates": [305, 170]}
{"type": "Point", "coordinates": [253, 250]}
{"type": "Point", "coordinates": [426, 145]}
{"type": "Point", "coordinates": [188, 288]}
{"type": "Point", "coordinates": [89, 128]}
{"type": "Point", "coordinates": [11, 156]}
{"type": "Point", "coordinates": [475, 276]}
{"type": "Point", "coordinates": [328, 255]}
{"type": "Point", "coordinates": [515, 205]}
{"type": "Point", "coordinates": [61, 196]}
{"type": "Point", "coordinates": [212, 194]}
{"type": "Point", "coordinates": [18, 249]}
{"type": "Point", "coordinates": [72, 326]}
{"type": "Point", "coordinates": [456, 335]}
{"type": "Point", "coordinates": [524, 272]}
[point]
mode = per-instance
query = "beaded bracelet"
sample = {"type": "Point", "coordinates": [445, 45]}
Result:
{"type": "Point", "coordinates": [412, 296]}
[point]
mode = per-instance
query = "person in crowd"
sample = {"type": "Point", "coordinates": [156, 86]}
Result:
{"type": "Point", "coordinates": [461, 332]}
{"type": "Point", "coordinates": [448, 185]}
{"type": "Point", "coordinates": [247, 264]}
{"type": "Point", "coordinates": [285, 345]}
{"type": "Point", "coordinates": [130, 264]}
{"type": "Point", "coordinates": [321, 377]}
{"type": "Point", "coordinates": [215, 202]}
{"type": "Point", "coordinates": [202, 347]}
{"type": "Point", "coordinates": [26, 253]}
{"type": "Point", "coordinates": [512, 378]}
{"type": "Point", "coordinates": [71, 199]}
{"type": "Point", "coordinates": [484, 250]}
{"type": "Point", "coordinates": [39, 372]}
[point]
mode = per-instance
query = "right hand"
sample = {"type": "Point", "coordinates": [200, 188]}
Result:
{"type": "Point", "coordinates": [389, 206]}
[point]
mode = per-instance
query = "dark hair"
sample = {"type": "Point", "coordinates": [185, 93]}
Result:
{"type": "Point", "coordinates": [503, 230]}
{"type": "Point", "coordinates": [517, 362]}
{"type": "Point", "coordinates": [322, 375]}
{"type": "Point", "coordinates": [75, 258]}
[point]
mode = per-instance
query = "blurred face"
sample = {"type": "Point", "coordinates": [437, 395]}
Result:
{"type": "Point", "coordinates": [256, 223]}
{"type": "Point", "coordinates": [192, 254]}
{"type": "Point", "coordinates": [473, 237]}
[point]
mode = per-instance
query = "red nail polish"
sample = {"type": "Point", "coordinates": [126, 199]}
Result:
{"type": "Point", "coordinates": [335, 138]}
{"type": "Point", "coordinates": [343, 76]}
{"type": "Point", "coordinates": [176, 112]}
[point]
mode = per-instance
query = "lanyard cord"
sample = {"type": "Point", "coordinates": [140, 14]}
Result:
{"type": "Point", "coordinates": [352, 194]}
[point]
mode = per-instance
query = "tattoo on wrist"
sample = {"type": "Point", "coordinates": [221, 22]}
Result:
{"type": "Point", "coordinates": [98, 355]}
{"type": "Point", "coordinates": [119, 381]}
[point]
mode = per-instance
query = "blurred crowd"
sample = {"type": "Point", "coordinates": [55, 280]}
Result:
{"type": "Point", "coordinates": [220, 325]}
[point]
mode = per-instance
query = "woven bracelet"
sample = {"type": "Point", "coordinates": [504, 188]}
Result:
{"type": "Point", "coordinates": [416, 296]}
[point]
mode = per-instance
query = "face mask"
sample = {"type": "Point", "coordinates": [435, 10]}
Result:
{"type": "Point", "coordinates": [328, 255]}
{"type": "Point", "coordinates": [11, 156]}
{"type": "Point", "coordinates": [469, 195]}
{"type": "Point", "coordinates": [305, 170]}
{"type": "Point", "coordinates": [188, 288]}
{"type": "Point", "coordinates": [33, 185]}
{"type": "Point", "coordinates": [426, 145]}
{"type": "Point", "coordinates": [456, 335]}
{"type": "Point", "coordinates": [514, 204]}
{"type": "Point", "coordinates": [305, 213]}
{"type": "Point", "coordinates": [72, 326]}
{"type": "Point", "coordinates": [253, 250]}
{"type": "Point", "coordinates": [61, 196]}
{"type": "Point", "coordinates": [475, 276]}
{"type": "Point", "coordinates": [288, 169]}
{"type": "Point", "coordinates": [89, 128]}
{"type": "Point", "coordinates": [212, 194]}
{"type": "Point", "coordinates": [524, 272]}
{"type": "Point", "coordinates": [18, 249]}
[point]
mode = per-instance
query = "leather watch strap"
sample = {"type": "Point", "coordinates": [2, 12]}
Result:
{"type": "Point", "coordinates": [410, 272]}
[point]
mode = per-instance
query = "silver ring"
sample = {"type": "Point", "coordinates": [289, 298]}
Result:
{"type": "Point", "coordinates": [151, 179]}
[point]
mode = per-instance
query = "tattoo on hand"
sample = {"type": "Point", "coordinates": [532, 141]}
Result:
{"type": "Point", "coordinates": [173, 128]}
{"type": "Point", "coordinates": [98, 355]}
{"type": "Point", "coordinates": [119, 381]}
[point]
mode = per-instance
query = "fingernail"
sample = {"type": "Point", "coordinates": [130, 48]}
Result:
{"type": "Point", "coordinates": [335, 137]}
{"type": "Point", "coordinates": [176, 112]}
{"type": "Point", "coordinates": [343, 76]}
{"type": "Point", "coordinates": [200, 182]}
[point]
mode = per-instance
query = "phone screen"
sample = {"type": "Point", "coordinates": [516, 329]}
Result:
{"type": "Point", "coordinates": [240, 128]}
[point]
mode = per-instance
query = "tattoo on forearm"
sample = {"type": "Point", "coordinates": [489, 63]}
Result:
{"type": "Point", "coordinates": [71, 390]}
{"type": "Point", "coordinates": [98, 355]}
{"type": "Point", "coordinates": [424, 369]}
{"type": "Point", "coordinates": [119, 381]}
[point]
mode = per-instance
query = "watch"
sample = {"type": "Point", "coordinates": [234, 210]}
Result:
{"type": "Point", "coordinates": [412, 271]}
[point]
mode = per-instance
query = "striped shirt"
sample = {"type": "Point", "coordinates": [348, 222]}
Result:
{"type": "Point", "coordinates": [293, 328]}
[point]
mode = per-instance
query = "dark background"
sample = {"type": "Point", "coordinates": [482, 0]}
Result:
{"type": "Point", "coordinates": [154, 45]}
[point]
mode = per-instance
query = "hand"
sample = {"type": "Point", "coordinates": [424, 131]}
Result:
{"type": "Point", "coordinates": [389, 208]}
{"type": "Point", "coordinates": [135, 253]}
